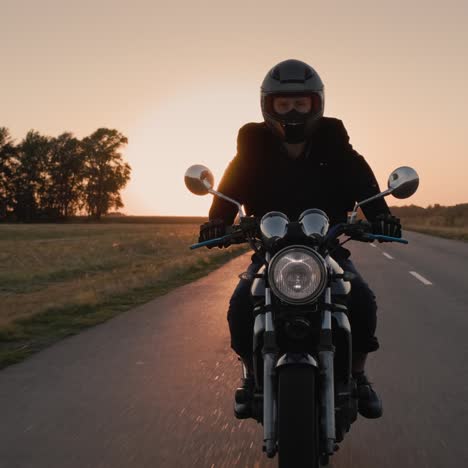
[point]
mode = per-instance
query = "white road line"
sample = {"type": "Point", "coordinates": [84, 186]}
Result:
{"type": "Point", "coordinates": [420, 278]}
{"type": "Point", "coordinates": [372, 245]}
{"type": "Point", "coordinates": [387, 255]}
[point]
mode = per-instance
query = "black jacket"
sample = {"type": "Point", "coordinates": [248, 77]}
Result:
{"type": "Point", "coordinates": [330, 175]}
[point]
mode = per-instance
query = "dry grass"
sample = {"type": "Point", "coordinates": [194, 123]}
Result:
{"type": "Point", "coordinates": [49, 272]}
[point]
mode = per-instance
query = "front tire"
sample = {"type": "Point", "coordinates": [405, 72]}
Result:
{"type": "Point", "coordinates": [298, 438]}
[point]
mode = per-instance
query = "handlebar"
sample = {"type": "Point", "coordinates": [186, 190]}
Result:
{"type": "Point", "coordinates": [386, 238]}
{"type": "Point", "coordinates": [354, 231]}
{"type": "Point", "coordinates": [236, 235]}
{"type": "Point", "coordinates": [358, 232]}
{"type": "Point", "coordinates": [216, 241]}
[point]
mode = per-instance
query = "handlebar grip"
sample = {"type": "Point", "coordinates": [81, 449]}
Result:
{"type": "Point", "coordinates": [387, 238]}
{"type": "Point", "coordinates": [216, 241]}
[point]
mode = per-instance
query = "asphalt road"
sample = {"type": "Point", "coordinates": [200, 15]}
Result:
{"type": "Point", "coordinates": [153, 387]}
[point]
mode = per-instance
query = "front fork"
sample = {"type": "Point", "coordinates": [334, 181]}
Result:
{"type": "Point", "coordinates": [327, 391]}
{"type": "Point", "coordinates": [270, 356]}
{"type": "Point", "coordinates": [327, 387]}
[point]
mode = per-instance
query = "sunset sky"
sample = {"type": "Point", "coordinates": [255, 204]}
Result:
{"type": "Point", "coordinates": [180, 78]}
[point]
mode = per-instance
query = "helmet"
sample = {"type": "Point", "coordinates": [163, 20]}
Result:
{"type": "Point", "coordinates": [292, 78]}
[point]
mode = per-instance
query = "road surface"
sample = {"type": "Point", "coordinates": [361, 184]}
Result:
{"type": "Point", "coordinates": [153, 387]}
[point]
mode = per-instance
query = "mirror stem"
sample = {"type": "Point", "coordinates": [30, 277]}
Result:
{"type": "Point", "coordinates": [375, 197]}
{"type": "Point", "coordinates": [352, 216]}
{"type": "Point", "coordinates": [220, 195]}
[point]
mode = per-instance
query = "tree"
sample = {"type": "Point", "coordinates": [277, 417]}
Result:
{"type": "Point", "coordinates": [65, 176]}
{"type": "Point", "coordinates": [105, 171]}
{"type": "Point", "coordinates": [8, 167]}
{"type": "Point", "coordinates": [31, 179]}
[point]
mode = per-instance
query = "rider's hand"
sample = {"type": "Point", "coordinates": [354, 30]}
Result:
{"type": "Point", "coordinates": [212, 230]}
{"type": "Point", "coordinates": [386, 225]}
{"type": "Point", "coordinates": [359, 230]}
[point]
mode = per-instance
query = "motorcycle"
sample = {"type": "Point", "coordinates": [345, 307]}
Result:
{"type": "Point", "coordinates": [304, 394]}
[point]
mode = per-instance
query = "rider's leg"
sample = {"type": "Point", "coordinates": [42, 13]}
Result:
{"type": "Point", "coordinates": [240, 316]}
{"type": "Point", "coordinates": [241, 322]}
{"type": "Point", "coordinates": [362, 310]}
{"type": "Point", "coordinates": [359, 362]}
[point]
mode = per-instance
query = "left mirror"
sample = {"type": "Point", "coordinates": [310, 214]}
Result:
{"type": "Point", "coordinates": [199, 179]}
{"type": "Point", "coordinates": [403, 182]}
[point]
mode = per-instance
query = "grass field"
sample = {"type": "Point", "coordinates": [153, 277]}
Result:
{"type": "Point", "coordinates": [58, 279]}
{"type": "Point", "coordinates": [457, 233]}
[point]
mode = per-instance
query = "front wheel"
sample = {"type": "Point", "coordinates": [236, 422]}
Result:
{"type": "Point", "coordinates": [298, 438]}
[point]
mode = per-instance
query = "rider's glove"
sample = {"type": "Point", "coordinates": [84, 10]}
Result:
{"type": "Point", "coordinates": [212, 230]}
{"type": "Point", "coordinates": [386, 225]}
{"type": "Point", "coordinates": [359, 230]}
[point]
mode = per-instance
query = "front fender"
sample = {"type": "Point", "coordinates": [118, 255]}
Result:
{"type": "Point", "coordinates": [294, 359]}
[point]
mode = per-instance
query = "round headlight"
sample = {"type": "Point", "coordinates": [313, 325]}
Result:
{"type": "Point", "coordinates": [297, 275]}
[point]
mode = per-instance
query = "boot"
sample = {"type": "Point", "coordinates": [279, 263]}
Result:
{"type": "Point", "coordinates": [369, 403]}
{"type": "Point", "coordinates": [244, 394]}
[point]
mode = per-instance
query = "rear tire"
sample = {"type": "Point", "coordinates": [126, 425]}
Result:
{"type": "Point", "coordinates": [298, 437]}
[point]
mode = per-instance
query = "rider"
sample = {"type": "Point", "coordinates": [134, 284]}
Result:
{"type": "Point", "coordinates": [298, 159]}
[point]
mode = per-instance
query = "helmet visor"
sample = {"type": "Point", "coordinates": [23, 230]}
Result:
{"type": "Point", "coordinates": [281, 104]}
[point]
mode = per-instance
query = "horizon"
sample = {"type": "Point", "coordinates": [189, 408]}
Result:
{"type": "Point", "coordinates": [408, 205]}
{"type": "Point", "coordinates": [179, 81]}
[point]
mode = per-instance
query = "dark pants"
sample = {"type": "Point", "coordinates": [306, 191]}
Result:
{"type": "Point", "coordinates": [362, 312]}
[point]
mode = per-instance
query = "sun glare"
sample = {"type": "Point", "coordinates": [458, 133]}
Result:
{"type": "Point", "coordinates": [197, 126]}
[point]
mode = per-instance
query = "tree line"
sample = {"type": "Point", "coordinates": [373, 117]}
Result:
{"type": "Point", "coordinates": [46, 178]}
{"type": "Point", "coordinates": [434, 215]}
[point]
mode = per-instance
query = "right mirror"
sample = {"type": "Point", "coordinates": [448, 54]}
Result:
{"type": "Point", "coordinates": [403, 182]}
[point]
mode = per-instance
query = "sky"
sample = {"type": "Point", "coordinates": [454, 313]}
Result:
{"type": "Point", "coordinates": [180, 78]}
